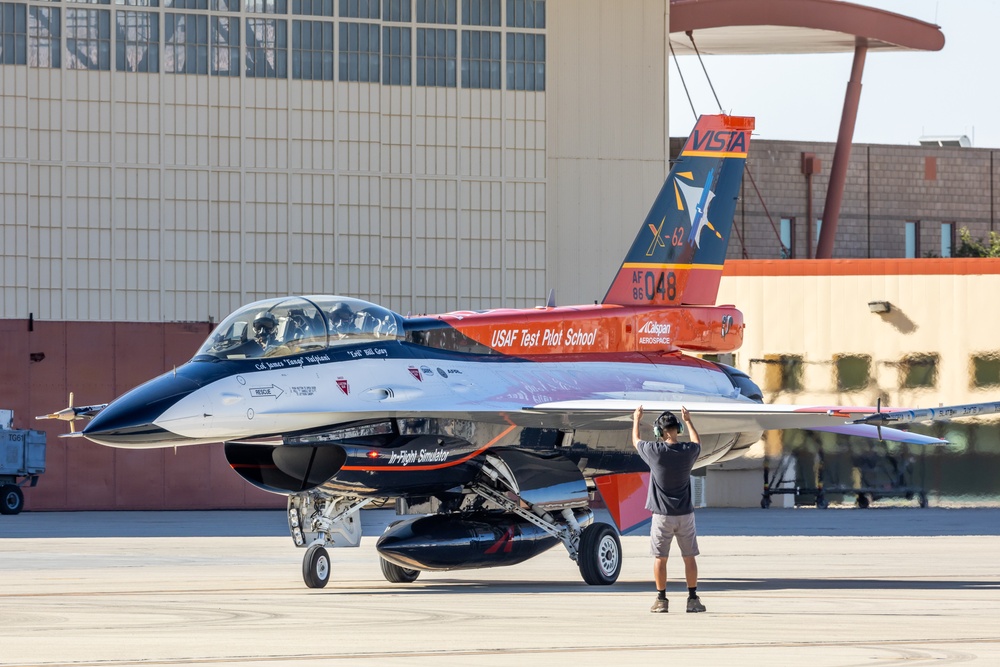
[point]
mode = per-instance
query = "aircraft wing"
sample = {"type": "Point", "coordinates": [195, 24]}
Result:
{"type": "Point", "coordinates": [718, 417]}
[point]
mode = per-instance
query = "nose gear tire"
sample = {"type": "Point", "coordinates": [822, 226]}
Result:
{"type": "Point", "coordinates": [316, 567]}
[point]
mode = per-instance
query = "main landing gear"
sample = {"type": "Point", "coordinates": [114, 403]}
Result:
{"type": "Point", "coordinates": [491, 525]}
{"type": "Point", "coordinates": [594, 546]}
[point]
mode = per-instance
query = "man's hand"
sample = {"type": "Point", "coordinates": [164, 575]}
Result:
{"type": "Point", "coordinates": [636, 418]}
{"type": "Point", "coordinates": [692, 432]}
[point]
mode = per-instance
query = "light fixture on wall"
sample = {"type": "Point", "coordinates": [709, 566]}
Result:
{"type": "Point", "coordinates": [879, 307]}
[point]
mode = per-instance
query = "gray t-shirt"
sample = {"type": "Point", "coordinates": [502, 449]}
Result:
{"type": "Point", "coordinates": [669, 475]}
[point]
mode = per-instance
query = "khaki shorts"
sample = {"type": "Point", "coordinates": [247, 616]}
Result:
{"type": "Point", "coordinates": [663, 530]}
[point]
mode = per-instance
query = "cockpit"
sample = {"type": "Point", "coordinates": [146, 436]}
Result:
{"type": "Point", "coordinates": [294, 325]}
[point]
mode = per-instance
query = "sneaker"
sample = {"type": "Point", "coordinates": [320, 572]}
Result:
{"type": "Point", "coordinates": [660, 606]}
{"type": "Point", "coordinates": [695, 605]}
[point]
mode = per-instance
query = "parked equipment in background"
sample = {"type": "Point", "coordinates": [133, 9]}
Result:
{"type": "Point", "coordinates": [875, 475]}
{"type": "Point", "coordinates": [22, 460]}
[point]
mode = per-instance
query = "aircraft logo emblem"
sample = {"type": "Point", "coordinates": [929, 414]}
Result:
{"type": "Point", "coordinates": [658, 241]}
{"type": "Point", "coordinates": [415, 372]}
{"type": "Point", "coordinates": [699, 212]}
{"type": "Point", "coordinates": [344, 387]}
{"type": "Point", "coordinates": [727, 324]}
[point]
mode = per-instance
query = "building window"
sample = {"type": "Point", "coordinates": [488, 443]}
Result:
{"type": "Point", "coordinates": [918, 371]}
{"type": "Point", "coordinates": [525, 61]}
{"type": "Point", "coordinates": [88, 39]}
{"type": "Point", "coordinates": [396, 57]}
{"type": "Point", "coordinates": [436, 57]}
{"type": "Point", "coordinates": [186, 4]}
{"type": "Point", "coordinates": [185, 43]}
{"type": "Point", "coordinates": [138, 45]}
{"type": "Point", "coordinates": [224, 6]}
{"type": "Point", "coordinates": [526, 13]}
{"type": "Point", "coordinates": [985, 370]}
{"type": "Point", "coordinates": [481, 12]}
{"type": "Point", "coordinates": [359, 52]}
{"type": "Point", "coordinates": [140, 3]}
{"type": "Point", "coordinates": [267, 6]}
{"type": "Point", "coordinates": [312, 8]}
{"type": "Point", "coordinates": [312, 50]}
{"type": "Point", "coordinates": [787, 238]}
{"type": "Point", "coordinates": [225, 46]}
{"type": "Point", "coordinates": [912, 239]}
{"type": "Point", "coordinates": [947, 238]}
{"type": "Point", "coordinates": [44, 33]}
{"type": "Point", "coordinates": [267, 48]}
{"type": "Point", "coordinates": [13, 34]}
{"type": "Point", "coordinates": [854, 371]}
{"type": "Point", "coordinates": [396, 10]}
{"type": "Point", "coordinates": [480, 59]}
{"type": "Point", "coordinates": [783, 373]}
{"type": "Point", "coordinates": [437, 11]}
{"type": "Point", "coordinates": [359, 9]}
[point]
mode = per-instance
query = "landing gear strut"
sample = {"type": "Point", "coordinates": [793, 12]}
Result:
{"type": "Point", "coordinates": [321, 521]}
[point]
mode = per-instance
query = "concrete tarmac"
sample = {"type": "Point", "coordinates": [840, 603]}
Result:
{"type": "Point", "coordinates": [805, 586]}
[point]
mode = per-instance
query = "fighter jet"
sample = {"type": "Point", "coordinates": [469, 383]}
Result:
{"type": "Point", "coordinates": [492, 431]}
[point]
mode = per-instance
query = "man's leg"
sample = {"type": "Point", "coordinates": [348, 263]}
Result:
{"type": "Point", "coordinates": [660, 572]}
{"type": "Point", "coordinates": [690, 571]}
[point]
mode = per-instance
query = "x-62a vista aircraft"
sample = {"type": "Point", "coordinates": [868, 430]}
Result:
{"type": "Point", "coordinates": [500, 427]}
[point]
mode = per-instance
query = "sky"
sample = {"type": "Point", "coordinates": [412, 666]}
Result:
{"type": "Point", "coordinates": [905, 94]}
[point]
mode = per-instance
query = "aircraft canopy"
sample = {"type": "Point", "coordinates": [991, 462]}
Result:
{"type": "Point", "coordinates": [292, 325]}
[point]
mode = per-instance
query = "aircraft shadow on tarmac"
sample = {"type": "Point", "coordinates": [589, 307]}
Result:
{"type": "Point", "coordinates": [706, 586]}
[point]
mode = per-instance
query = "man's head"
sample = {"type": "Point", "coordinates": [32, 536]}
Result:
{"type": "Point", "coordinates": [264, 326]}
{"type": "Point", "coordinates": [341, 315]}
{"type": "Point", "coordinates": [666, 424]}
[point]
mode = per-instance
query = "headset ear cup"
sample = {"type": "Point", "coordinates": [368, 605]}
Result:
{"type": "Point", "coordinates": [657, 431]}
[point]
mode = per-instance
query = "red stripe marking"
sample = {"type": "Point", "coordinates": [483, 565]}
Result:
{"type": "Point", "coordinates": [435, 466]}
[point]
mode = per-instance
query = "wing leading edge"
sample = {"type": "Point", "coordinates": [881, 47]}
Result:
{"type": "Point", "coordinates": [717, 417]}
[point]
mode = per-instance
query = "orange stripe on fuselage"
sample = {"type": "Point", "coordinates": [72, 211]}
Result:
{"type": "Point", "coordinates": [604, 329]}
{"type": "Point", "coordinates": [952, 266]}
{"type": "Point", "coordinates": [435, 466]}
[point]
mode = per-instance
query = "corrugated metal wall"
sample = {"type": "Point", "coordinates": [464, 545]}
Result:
{"type": "Point", "coordinates": [99, 361]}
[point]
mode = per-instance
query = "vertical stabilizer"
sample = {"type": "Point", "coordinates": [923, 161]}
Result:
{"type": "Point", "coordinates": [678, 255]}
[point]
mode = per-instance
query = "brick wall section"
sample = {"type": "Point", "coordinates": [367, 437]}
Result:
{"type": "Point", "coordinates": [886, 187]}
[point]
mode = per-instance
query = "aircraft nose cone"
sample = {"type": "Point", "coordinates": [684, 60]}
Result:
{"type": "Point", "coordinates": [128, 420]}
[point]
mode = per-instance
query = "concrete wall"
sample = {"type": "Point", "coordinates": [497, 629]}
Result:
{"type": "Point", "coordinates": [607, 129]}
{"type": "Point", "coordinates": [939, 306]}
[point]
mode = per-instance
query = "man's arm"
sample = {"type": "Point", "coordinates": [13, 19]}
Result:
{"type": "Point", "coordinates": [686, 416]}
{"type": "Point", "coordinates": [636, 418]}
